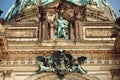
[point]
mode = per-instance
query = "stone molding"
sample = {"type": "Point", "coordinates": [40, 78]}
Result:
{"type": "Point", "coordinates": [70, 76]}
{"type": "Point", "coordinates": [88, 62]}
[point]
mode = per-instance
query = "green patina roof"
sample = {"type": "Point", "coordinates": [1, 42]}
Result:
{"type": "Point", "coordinates": [21, 4]}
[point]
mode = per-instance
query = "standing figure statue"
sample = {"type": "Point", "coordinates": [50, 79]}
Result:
{"type": "Point", "coordinates": [61, 26]}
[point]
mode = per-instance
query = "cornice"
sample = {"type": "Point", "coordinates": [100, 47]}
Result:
{"type": "Point", "coordinates": [99, 23]}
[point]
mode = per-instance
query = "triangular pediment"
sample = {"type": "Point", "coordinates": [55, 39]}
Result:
{"type": "Point", "coordinates": [64, 8]}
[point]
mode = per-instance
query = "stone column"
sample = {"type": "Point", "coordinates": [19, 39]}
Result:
{"type": "Point", "coordinates": [77, 30]}
{"type": "Point", "coordinates": [52, 32]}
{"type": "Point", "coordinates": [81, 33]}
{"type": "Point", "coordinates": [40, 31]}
{"type": "Point", "coordinates": [71, 32]}
{"type": "Point", "coordinates": [44, 30]}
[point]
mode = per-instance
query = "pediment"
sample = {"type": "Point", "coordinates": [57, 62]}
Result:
{"type": "Point", "coordinates": [64, 8]}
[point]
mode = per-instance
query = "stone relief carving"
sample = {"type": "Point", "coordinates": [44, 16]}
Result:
{"type": "Point", "coordinates": [21, 33]}
{"type": "Point", "coordinates": [99, 33]}
{"type": "Point", "coordinates": [5, 74]}
{"type": "Point", "coordinates": [115, 73]}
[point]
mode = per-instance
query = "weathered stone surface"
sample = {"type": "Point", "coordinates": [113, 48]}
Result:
{"type": "Point", "coordinates": [31, 33]}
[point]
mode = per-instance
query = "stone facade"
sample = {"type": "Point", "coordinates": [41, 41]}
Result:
{"type": "Point", "coordinates": [31, 34]}
{"type": "Point", "coordinates": [117, 42]}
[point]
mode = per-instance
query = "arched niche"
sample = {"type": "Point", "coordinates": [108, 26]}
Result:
{"type": "Point", "coordinates": [69, 76]}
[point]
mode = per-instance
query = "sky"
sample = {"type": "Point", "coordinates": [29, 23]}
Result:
{"type": "Point", "coordinates": [6, 4]}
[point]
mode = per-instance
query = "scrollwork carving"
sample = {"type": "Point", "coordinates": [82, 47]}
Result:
{"type": "Point", "coordinates": [61, 63]}
{"type": "Point", "coordinates": [5, 74]}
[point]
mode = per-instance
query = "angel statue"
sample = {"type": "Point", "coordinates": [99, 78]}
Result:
{"type": "Point", "coordinates": [76, 65]}
{"type": "Point", "coordinates": [45, 65]}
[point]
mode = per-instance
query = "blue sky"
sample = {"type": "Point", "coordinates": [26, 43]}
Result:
{"type": "Point", "coordinates": [115, 4]}
{"type": "Point", "coordinates": [6, 4]}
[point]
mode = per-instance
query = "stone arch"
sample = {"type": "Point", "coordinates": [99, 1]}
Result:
{"type": "Point", "coordinates": [69, 76]}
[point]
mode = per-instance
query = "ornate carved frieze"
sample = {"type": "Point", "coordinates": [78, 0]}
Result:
{"type": "Point", "coordinates": [91, 61]}
{"type": "Point", "coordinates": [100, 32]}
{"type": "Point", "coordinates": [93, 56]}
{"type": "Point", "coordinates": [21, 33]}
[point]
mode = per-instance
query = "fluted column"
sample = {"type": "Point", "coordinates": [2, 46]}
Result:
{"type": "Point", "coordinates": [81, 33]}
{"type": "Point", "coordinates": [40, 31]}
{"type": "Point", "coordinates": [77, 30]}
{"type": "Point", "coordinates": [71, 32]}
{"type": "Point", "coordinates": [52, 32]}
{"type": "Point", "coordinates": [44, 30]}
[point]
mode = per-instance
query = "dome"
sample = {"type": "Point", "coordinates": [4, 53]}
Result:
{"type": "Point", "coordinates": [101, 6]}
{"type": "Point", "coordinates": [21, 4]}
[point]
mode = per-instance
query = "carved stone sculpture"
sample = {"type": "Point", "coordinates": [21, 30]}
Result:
{"type": "Point", "coordinates": [61, 63]}
{"type": "Point", "coordinates": [61, 26]}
